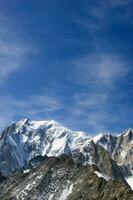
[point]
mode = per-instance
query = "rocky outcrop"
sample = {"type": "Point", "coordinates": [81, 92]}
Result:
{"type": "Point", "coordinates": [63, 179]}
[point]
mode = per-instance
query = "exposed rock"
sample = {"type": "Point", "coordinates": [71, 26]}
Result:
{"type": "Point", "coordinates": [63, 179]}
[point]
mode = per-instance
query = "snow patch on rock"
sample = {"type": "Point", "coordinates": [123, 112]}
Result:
{"type": "Point", "coordinates": [130, 181]}
{"type": "Point", "coordinates": [101, 175]}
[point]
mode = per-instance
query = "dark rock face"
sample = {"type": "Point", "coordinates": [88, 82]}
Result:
{"type": "Point", "coordinates": [125, 171]}
{"type": "Point", "coordinates": [63, 179]}
{"type": "Point", "coordinates": [101, 158]}
{"type": "Point", "coordinates": [34, 162]}
{"type": "Point", "coordinates": [112, 190]}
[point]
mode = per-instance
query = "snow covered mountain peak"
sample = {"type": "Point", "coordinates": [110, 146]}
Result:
{"type": "Point", "coordinates": [23, 121]}
{"type": "Point", "coordinates": [35, 124]}
{"type": "Point", "coordinates": [50, 127]}
{"type": "Point", "coordinates": [25, 140]}
{"type": "Point", "coordinates": [22, 141]}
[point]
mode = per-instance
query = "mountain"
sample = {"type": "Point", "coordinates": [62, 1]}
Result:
{"type": "Point", "coordinates": [61, 178]}
{"type": "Point", "coordinates": [24, 140]}
{"type": "Point", "coordinates": [27, 147]}
{"type": "Point", "coordinates": [120, 147]}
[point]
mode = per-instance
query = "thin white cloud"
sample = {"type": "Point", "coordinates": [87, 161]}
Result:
{"type": "Point", "coordinates": [100, 69]}
{"type": "Point", "coordinates": [13, 50]}
{"type": "Point", "coordinates": [14, 55]}
{"type": "Point", "coordinates": [97, 111]}
{"type": "Point", "coordinates": [93, 100]}
{"type": "Point", "coordinates": [99, 74]}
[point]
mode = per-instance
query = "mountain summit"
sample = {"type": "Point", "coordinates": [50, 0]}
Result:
{"type": "Point", "coordinates": [26, 144]}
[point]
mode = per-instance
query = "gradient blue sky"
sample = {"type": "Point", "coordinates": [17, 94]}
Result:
{"type": "Point", "coordinates": [67, 60]}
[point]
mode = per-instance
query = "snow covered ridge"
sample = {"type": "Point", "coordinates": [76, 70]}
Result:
{"type": "Point", "coordinates": [24, 140]}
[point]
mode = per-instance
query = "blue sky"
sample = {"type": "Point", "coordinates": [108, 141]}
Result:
{"type": "Point", "coordinates": [70, 61]}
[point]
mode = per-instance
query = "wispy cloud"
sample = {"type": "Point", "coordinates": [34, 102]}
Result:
{"type": "Point", "coordinates": [100, 72]}
{"type": "Point", "coordinates": [100, 69]}
{"type": "Point", "coordinates": [99, 103]}
{"type": "Point", "coordinates": [14, 54]}
{"type": "Point", "coordinates": [98, 112]}
{"type": "Point", "coordinates": [13, 50]}
{"type": "Point", "coordinates": [92, 101]}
